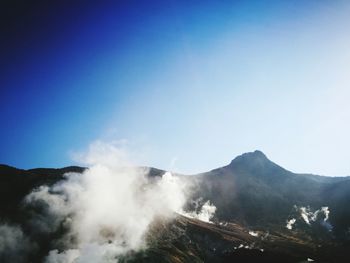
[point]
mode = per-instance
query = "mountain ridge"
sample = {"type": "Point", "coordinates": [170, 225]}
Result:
{"type": "Point", "coordinates": [256, 156]}
{"type": "Point", "coordinates": [251, 192]}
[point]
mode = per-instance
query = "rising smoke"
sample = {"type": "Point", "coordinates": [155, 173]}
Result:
{"type": "Point", "coordinates": [202, 211]}
{"type": "Point", "coordinates": [14, 246]}
{"type": "Point", "coordinates": [107, 210]}
{"type": "Point", "coordinates": [309, 217]}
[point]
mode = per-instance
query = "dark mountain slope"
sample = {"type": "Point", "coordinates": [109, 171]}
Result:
{"type": "Point", "coordinates": [256, 191]}
{"type": "Point", "coordinates": [15, 184]}
{"type": "Point", "coordinates": [250, 193]}
{"type": "Point", "coordinates": [190, 240]}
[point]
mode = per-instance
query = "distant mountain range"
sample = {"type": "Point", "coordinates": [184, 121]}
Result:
{"type": "Point", "coordinates": [264, 213]}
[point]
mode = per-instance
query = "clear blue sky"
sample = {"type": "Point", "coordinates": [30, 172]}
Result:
{"type": "Point", "coordinates": [188, 84]}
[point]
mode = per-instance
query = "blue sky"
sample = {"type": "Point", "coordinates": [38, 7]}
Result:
{"type": "Point", "coordinates": [188, 85]}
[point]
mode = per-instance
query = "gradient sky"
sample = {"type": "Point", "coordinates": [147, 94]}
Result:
{"type": "Point", "coordinates": [186, 85]}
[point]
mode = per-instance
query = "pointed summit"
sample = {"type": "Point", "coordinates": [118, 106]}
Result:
{"type": "Point", "coordinates": [254, 161]}
{"type": "Point", "coordinates": [256, 156]}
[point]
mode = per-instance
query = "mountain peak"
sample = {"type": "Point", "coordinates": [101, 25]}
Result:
{"type": "Point", "coordinates": [256, 160]}
{"type": "Point", "coordinates": [251, 156]}
{"type": "Point", "coordinates": [257, 154]}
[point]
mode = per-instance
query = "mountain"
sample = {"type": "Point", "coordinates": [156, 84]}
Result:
{"type": "Point", "coordinates": [254, 190]}
{"type": "Point", "coordinates": [190, 240]}
{"type": "Point", "coordinates": [264, 213]}
{"type": "Point", "coordinates": [15, 184]}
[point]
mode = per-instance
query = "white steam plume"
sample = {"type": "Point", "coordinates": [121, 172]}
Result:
{"type": "Point", "coordinates": [310, 216]}
{"type": "Point", "coordinates": [205, 214]}
{"type": "Point", "coordinates": [290, 223]}
{"type": "Point", "coordinates": [108, 208]}
{"type": "Point", "coordinates": [14, 246]}
{"type": "Point", "coordinates": [320, 216]}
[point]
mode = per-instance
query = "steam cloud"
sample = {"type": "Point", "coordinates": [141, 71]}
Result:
{"type": "Point", "coordinates": [290, 223]}
{"type": "Point", "coordinates": [203, 212]}
{"type": "Point", "coordinates": [107, 210]}
{"type": "Point", "coordinates": [308, 216]}
{"type": "Point", "coordinates": [14, 246]}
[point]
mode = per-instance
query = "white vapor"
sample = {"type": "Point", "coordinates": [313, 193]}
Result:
{"type": "Point", "coordinates": [319, 216]}
{"type": "Point", "coordinates": [205, 214]}
{"type": "Point", "coordinates": [109, 208]}
{"type": "Point", "coordinates": [306, 214]}
{"type": "Point", "coordinates": [290, 223]}
{"type": "Point", "coordinates": [14, 246]}
{"type": "Point", "coordinates": [254, 234]}
{"type": "Point", "coordinates": [309, 216]}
